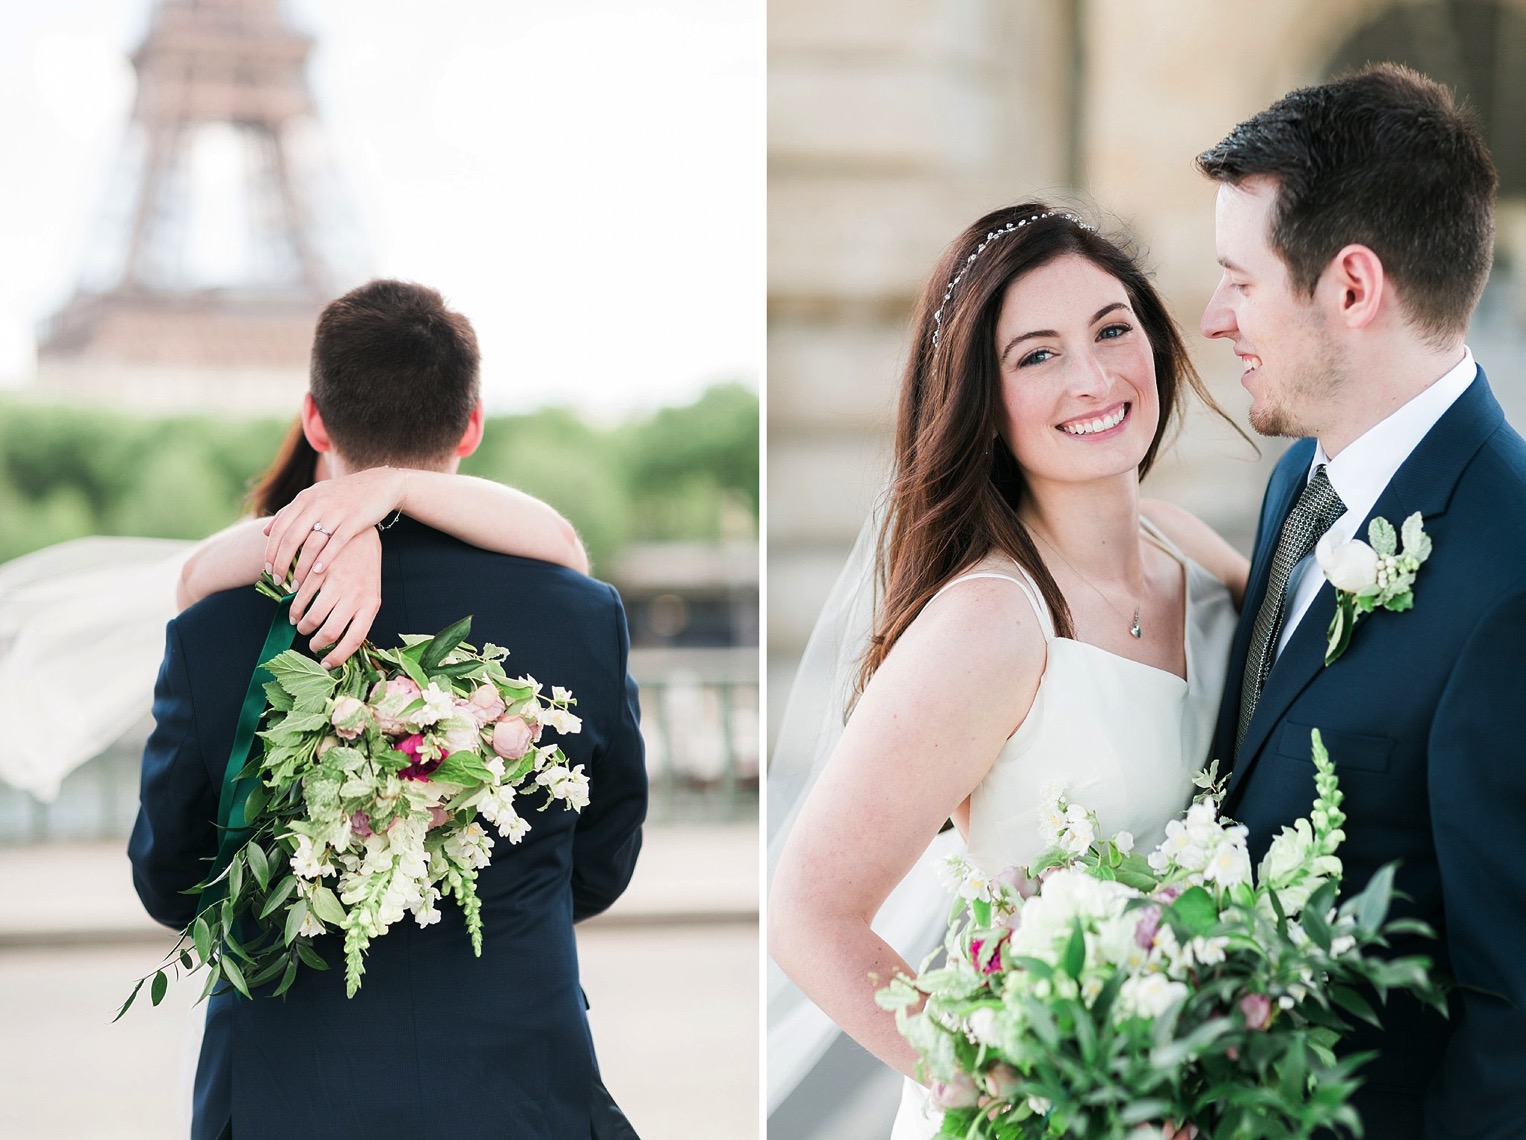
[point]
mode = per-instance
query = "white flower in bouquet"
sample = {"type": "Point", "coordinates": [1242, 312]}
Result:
{"type": "Point", "coordinates": [460, 733]}
{"type": "Point", "coordinates": [568, 784]}
{"type": "Point", "coordinates": [306, 862]}
{"type": "Point", "coordinates": [561, 720]}
{"type": "Point", "coordinates": [1148, 996]}
{"type": "Point", "coordinates": [438, 704]}
{"type": "Point", "coordinates": [983, 1026]}
{"type": "Point", "coordinates": [1069, 895]}
{"type": "Point", "coordinates": [497, 807]}
{"type": "Point", "coordinates": [959, 875]}
{"type": "Point", "coordinates": [471, 846]}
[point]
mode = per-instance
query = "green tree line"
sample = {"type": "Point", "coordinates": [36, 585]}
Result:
{"type": "Point", "coordinates": [687, 472]}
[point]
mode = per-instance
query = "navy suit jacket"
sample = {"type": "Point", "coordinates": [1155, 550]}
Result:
{"type": "Point", "coordinates": [437, 1043]}
{"type": "Point", "coordinates": [1419, 718]}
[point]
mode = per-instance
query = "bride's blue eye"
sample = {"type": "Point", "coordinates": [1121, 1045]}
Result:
{"type": "Point", "coordinates": [1037, 356]}
{"type": "Point", "coordinates": [1113, 332]}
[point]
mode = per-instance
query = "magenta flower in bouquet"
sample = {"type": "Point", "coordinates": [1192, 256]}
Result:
{"type": "Point", "coordinates": [1102, 992]}
{"type": "Point", "coordinates": [369, 798]}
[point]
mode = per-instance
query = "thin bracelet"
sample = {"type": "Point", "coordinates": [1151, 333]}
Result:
{"type": "Point", "coordinates": [397, 514]}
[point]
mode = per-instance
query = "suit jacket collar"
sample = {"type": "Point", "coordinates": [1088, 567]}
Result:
{"type": "Point", "coordinates": [1424, 482]}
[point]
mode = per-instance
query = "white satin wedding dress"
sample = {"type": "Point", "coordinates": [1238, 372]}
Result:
{"type": "Point", "coordinates": [1125, 738]}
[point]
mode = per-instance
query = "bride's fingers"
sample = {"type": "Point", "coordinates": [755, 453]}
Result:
{"type": "Point", "coordinates": [315, 546]}
{"type": "Point", "coordinates": [287, 529]}
{"type": "Point", "coordinates": [306, 596]}
{"type": "Point", "coordinates": [325, 598]}
{"type": "Point", "coordinates": [359, 627]}
{"type": "Point", "coordinates": [303, 531]}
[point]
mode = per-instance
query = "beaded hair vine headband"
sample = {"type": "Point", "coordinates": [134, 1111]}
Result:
{"type": "Point", "coordinates": [1010, 227]}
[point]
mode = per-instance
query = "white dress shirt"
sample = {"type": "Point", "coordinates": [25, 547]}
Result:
{"type": "Point", "coordinates": [1362, 471]}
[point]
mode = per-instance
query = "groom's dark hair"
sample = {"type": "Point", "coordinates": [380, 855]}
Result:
{"type": "Point", "coordinates": [394, 374]}
{"type": "Point", "coordinates": [1383, 158]}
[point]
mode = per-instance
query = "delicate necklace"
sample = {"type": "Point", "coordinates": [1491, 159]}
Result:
{"type": "Point", "coordinates": [1134, 627]}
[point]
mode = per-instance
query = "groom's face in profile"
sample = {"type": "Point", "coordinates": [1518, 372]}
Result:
{"type": "Point", "coordinates": [1291, 362]}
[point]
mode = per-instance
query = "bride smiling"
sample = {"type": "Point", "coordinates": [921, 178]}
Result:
{"type": "Point", "coordinates": [1035, 620]}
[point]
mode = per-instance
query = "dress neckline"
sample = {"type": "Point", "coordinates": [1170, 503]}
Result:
{"type": "Point", "coordinates": [1156, 537]}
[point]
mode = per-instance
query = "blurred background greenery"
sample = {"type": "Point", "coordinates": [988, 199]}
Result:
{"type": "Point", "coordinates": [680, 473]}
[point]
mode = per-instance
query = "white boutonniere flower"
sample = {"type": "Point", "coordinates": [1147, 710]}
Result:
{"type": "Point", "coordinates": [1369, 577]}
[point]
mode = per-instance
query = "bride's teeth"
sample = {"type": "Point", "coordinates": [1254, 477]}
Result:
{"type": "Point", "coordinates": [1101, 423]}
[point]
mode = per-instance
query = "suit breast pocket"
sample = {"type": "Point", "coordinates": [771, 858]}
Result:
{"type": "Point", "coordinates": [1348, 750]}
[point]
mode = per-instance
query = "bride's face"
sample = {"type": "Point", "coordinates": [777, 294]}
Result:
{"type": "Point", "coordinates": [1077, 373]}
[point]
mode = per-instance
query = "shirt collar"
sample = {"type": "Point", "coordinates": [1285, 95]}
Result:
{"type": "Point", "coordinates": [1366, 465]}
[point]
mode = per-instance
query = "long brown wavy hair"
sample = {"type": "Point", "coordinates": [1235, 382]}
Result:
{"type": "Point", "coordinates": [955, 486]}
{"type": "Point", "coordinates": [293, 469]}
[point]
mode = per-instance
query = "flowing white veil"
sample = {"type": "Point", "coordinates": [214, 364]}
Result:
{"type": "Point", "coordinates": [81, 637]}
{"type": "Point", "coordinates": [913, 918]}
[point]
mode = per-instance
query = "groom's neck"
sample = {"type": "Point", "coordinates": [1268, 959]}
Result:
{"type": "Point", "coordinates": [340, 466]}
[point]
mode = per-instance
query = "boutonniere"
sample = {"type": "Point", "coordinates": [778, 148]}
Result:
{"type": "Point", "coordinates": [1369, 577]}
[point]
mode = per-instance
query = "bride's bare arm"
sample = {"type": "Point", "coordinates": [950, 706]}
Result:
{"type": "Point", "coordinates": [340, 572]}
{"type": "Point", "coordinates": [224, 561]}
{"type": "Point", "coordinates": [922, 736]}
{"type": "Point", "coordinates": [478, 511]}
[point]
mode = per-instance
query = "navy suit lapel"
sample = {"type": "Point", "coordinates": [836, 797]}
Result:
{"type": "Point", "coordinates": [1424, 483]}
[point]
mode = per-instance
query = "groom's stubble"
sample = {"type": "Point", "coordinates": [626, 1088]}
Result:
{"type": "Point", "coordinates": [1303, 385]}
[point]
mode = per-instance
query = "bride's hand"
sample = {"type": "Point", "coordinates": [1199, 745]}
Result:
{"type": "Point", "coordinates": [338, 606]}
{"type": "Point", "coordinates": [316, 525]}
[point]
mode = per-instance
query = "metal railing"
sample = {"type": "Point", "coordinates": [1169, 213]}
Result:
{"type": "Point", "coordinates": [699, 716]}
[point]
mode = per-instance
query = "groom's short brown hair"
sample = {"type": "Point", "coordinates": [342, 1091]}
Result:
{"type": "Point", "coordinates": [1383, 158]}
{"type": "Point", "coordinates": [394, 374]}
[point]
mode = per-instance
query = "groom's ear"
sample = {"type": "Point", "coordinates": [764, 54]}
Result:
{"type": "Point", "coordinates": [312, 426]}
{"type": "Point", "coordinates": [1356, 280]}
{"type": "Point", "coordinates": [472, 436]}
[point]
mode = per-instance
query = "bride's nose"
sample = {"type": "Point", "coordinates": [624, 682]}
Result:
{"type": "Point", "coordinates": [1088, 376]}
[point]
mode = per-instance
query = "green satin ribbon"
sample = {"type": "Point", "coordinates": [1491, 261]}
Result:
{"type": "Point", "coordinates": [235, 792]}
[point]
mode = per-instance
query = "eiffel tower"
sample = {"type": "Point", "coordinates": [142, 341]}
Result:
{"type": "Point", "coordinates": [204, 287]}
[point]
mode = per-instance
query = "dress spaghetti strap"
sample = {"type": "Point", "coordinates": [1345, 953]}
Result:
{"type": "Point", "coordinates": [1024, 583]}
{"type": "Point", "coordinates": [1158, 537]}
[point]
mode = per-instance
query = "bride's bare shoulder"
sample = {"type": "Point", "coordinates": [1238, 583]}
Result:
{"type": "Point", "coordinates": [984, 608]}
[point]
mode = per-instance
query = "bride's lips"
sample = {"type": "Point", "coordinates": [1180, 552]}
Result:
{"type": "Point", "coordinates": [1097, 425]}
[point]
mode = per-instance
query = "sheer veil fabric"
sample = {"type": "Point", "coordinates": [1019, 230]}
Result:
{"type": "Point", "coordinates": [81, 638]}
{"type": "Point", "coordinates": [913, 918]}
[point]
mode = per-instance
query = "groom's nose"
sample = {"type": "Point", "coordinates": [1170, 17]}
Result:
{"type": "Point", "coordinates": [1219, 316]}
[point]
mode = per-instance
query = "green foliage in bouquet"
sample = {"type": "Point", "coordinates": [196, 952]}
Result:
{"type": "Point", "coordinates": [1127, 991]}
{"type": "Point", "coordinates": [363, 803]}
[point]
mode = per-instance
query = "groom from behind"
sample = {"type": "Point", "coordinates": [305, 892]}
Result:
{"type": "Point", "coordinates": [1355, 226]}
{"type": "Point", "coordinates": [437, 1042]}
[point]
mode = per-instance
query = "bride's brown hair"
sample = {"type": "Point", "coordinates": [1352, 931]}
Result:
{"type": "Point", "coordinates": [955, 486]}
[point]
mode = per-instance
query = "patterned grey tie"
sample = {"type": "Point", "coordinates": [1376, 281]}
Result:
{"type": "Point", "coordinates": [1314, 513]}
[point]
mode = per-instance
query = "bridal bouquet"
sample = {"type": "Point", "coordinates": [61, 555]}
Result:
{"type": "Point", "coordinates": [364, 803]}
{"type": "Point", "coordinates": [1100, 991]}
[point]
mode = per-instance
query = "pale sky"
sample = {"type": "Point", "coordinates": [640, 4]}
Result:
{"type": "Point", "coordinates": [584, 179]}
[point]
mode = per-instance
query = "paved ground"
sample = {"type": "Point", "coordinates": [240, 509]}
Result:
{"type": "Point", "coordinates": [671, 974]}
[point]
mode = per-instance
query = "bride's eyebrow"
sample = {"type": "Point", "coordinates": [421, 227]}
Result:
{"type": "Point", "coordinates": [1097, 316]}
